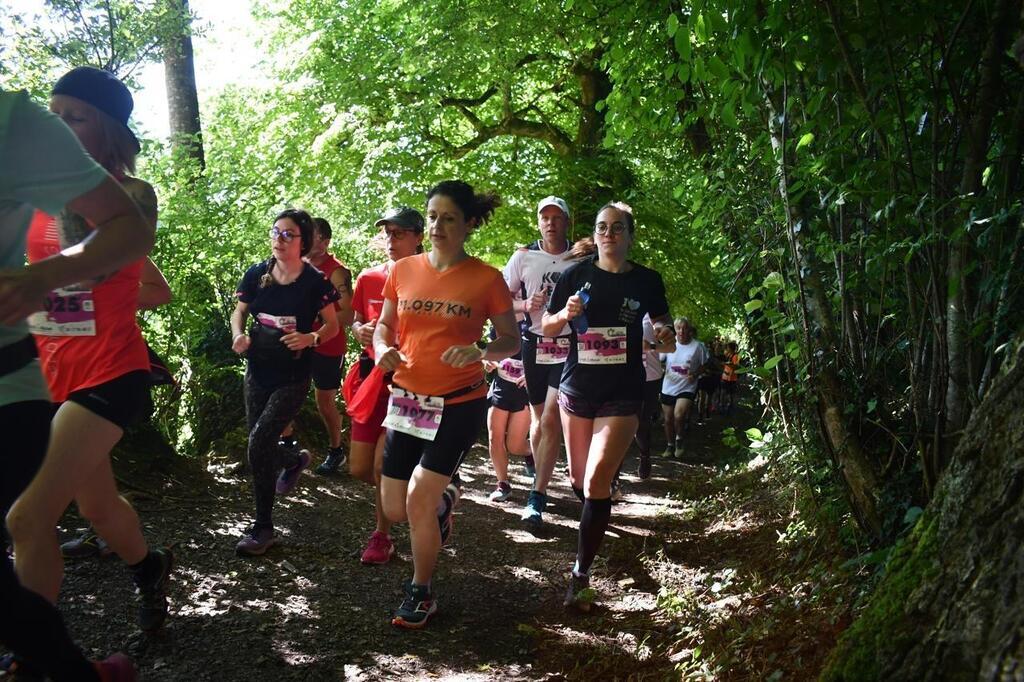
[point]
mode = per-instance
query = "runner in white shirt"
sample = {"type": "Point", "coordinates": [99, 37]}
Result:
{"type": "Point", "coordinates": [531, 274]}
{"type": "Point", "coordinates": [679, 388]}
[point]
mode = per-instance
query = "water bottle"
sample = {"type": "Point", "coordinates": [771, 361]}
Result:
{"type": "Point", "coordinates": [580, 323]}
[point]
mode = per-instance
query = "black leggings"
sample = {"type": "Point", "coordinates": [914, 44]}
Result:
{"type": "Point", "coordinates": [268, 411]}
{"type": "Point", "coordinates": [30, 625]}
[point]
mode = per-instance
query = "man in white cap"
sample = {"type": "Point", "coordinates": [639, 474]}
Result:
{"type": "Point", "coordinates": [531, 274]}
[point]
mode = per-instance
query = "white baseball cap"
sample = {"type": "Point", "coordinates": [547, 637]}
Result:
{"type": "Point", "coordinates": [553, 201]}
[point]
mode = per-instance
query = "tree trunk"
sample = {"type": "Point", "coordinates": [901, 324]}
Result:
{"type": "Point", "coordinates": [951, 606]}
{"type": "Point", "coordinates": [182, 98]}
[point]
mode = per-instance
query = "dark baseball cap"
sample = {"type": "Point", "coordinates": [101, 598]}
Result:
{"type": "Point", "coordinates": [403, 216]}
{"type": "Point", "coordinates": [101, 89]}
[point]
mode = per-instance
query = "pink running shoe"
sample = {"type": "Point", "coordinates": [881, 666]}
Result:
{"type": "Point", "coordinates": [378, 550]}
{"type": "Point", "coordinates": [116, 668]}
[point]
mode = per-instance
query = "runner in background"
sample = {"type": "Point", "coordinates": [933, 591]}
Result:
{"type": "Point", "coordinates": [96, 365]}
{"type": "Point", "coordinates": [708, 379]}
{"type": "Point", "coordinates": [531, 274]}
{"type": "Point", "coordinates": [730, 379]}
{"type": "Point", "coordinates": [654, 371]}
{"type": "Point", "coordinates": [679, 387]}
{"type": "Point", "coordinates": [402, 233]}
{"type": "Point", "coordinates": [328, 360]}
{"type": "Point", "coordinates": [43, 167]}
{"type": "Point", "coordinates": [435, 308]}
{"type": "Point", "coordinates": [604, 299]}
{"type": "Point", "coordinates": [508, 421]}
{"type": "Point", "coordinates": [283, 295]}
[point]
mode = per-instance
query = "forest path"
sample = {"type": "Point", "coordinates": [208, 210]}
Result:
{"type": "Point", "coordinates": [308, 610]}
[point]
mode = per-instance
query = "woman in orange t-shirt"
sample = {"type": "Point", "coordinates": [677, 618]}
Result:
{"type": "Point", "coordinates": [436, 305]}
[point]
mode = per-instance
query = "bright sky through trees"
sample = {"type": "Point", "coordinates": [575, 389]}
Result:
{"type": "Point", "coordinates": [227, 51]}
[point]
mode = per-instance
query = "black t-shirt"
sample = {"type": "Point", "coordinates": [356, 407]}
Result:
{"type": "Point", "coordinates": [277, 310]}
{"type": "Point", "coordinates": [600, 367]}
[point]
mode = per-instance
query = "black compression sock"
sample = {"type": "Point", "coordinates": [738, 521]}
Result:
{"type": "Point", "coordinates": [593, 524]}
{"type": "Point", "coordinates": [147, 569]}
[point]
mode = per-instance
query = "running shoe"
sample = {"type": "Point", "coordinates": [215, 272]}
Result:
{"type": "Point", "coordinates": [336, 458]}
{"type": "Point", "coordinates": [680, 449]}
{"type": "Point", "coordinates": [533, 513]}
{"type": "Point", "coordinates": [643, 470]}
{"type": "Point", "coordinates": [152, 610]}
{"type": "Point", "coordinates": [501, 492]}
{"type": "Point", "coordinates": [670, 452]}
{"type": "Point", "coordinates": [578, 595]}
{"type": "Point", "coordinates": [616, 492]}
{"type": "Point", "coordinates": [531, 466]}
{"type": "Point", "coordinates": [17, 668]}
{"type": "Point", "coordinates": [116, 668]}
{"type": "Point", "coordinates": [290, 475]}
{"type": "Point", "coordinates": [85, 546]}
{"type": "Point", "coordinates": [446, 520]}
{"type": "Point", "coordinates": [256, 541]}
{"type": "Point", "coordinates": [378, 550]}
{"type": "Point", "coordinates": [416, 609]}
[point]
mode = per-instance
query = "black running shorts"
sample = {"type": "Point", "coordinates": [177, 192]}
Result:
{"type": "Point", "coordinates": [328, 371]}
{"type": "Point", "coordinates": [123, 401]}
{"type": "Point", "coordinates": [538, 377]}
{"type": "Point", "coordinates": [460, 426]}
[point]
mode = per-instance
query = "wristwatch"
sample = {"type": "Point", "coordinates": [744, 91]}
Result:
{"type": "Point", "coordinates": [316, 339]}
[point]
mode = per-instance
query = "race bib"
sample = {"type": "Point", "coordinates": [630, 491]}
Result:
{"type": "Point", "coordinates": [602, 346]}
{"type": "Point", "coordinates": [285, 323]}
{"type": "Point", "coordinates": [552, 351]}
{"type": "Point", "coordinates": [416, 415]}
{"type": "Point", "coordinates": [681, 370]}
{"type": "Point", "coordinates": [66, 312]}
{"type": "Point", "coordinates": [511, 370]}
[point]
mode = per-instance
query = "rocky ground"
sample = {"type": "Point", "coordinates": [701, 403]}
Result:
{"type": "Point", "coordinates": [691, 583]}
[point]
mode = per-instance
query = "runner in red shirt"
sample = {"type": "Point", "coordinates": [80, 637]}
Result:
{"type": "Point", "coordinates": [96, 365]}
{"type": "Point", "coordinates": [402, 232]}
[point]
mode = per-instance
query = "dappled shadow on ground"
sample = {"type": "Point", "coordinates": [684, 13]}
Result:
{"type": "Point", "coordinates": [308, 610]}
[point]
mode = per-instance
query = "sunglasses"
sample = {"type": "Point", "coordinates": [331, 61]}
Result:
{"type": "Point", "coordinates": [284, 235]}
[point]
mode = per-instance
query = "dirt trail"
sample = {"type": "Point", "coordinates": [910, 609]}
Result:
{"type": "Point", "coordinates": [309, 611]}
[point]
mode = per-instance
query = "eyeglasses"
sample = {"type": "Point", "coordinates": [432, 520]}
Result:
{"type": "Point", "coordinates": [284, 235]}
{"type": "Point", "coordinates": [614, 228]}
{"type": "Point", "coordinates": [396, 234]}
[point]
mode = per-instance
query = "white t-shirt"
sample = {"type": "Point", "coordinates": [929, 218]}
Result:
{"type": "Point", "coordinates": [652, 359]}
{"type": "Point", "coordinates": [681, 367]}
{"type": "Point", "coordinates": [531, 269]}
{"type": "Point", "coordinates": [42, 165]}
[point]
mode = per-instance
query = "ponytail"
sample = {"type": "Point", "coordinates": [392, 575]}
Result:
{"type": "Point", "coordinates": [267, 279]}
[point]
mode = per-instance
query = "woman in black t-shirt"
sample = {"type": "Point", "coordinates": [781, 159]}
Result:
{"type": "Point", "coordinates": [604, 299]}
{"type": "Point", "coordinates": [284, 295]}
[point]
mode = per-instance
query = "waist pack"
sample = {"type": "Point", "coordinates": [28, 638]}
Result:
{"type": "Point", "coordinates": [265, 347]}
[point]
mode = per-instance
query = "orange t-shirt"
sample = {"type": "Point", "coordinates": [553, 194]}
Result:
{"type": "Point", "coordinates": [729, 368]}
{"type": "Point", "coordinates": [71, 363]}
{"type": "Point", "coordinates": [437, 310]}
